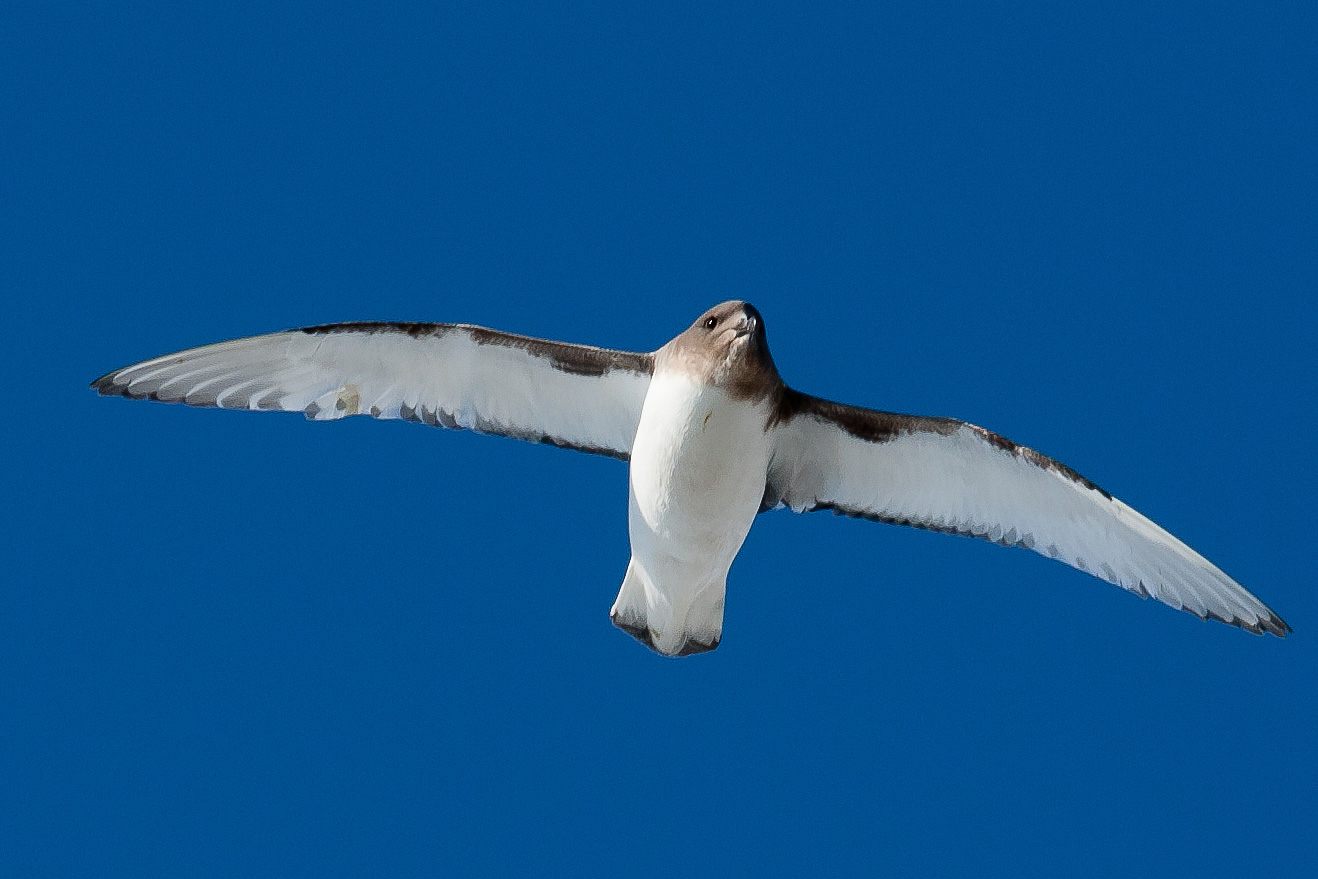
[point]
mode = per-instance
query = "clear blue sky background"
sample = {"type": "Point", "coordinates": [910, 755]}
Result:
{"type": "Point", "coordinates": [247, 645]}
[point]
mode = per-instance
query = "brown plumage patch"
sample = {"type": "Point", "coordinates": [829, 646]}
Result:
{"type": "Point", "coordinates": [870, 425]}
{"type": "Point", "coordinates": [415, 330]}
{"type": "Point", "coordinates": [875, 426]}
{"type": "Point", "coordinates": [585, 360]}
{"type": "Point", "coordinates": [1038, 459]}
{"type": "Point", "coordinates": [726, 347]}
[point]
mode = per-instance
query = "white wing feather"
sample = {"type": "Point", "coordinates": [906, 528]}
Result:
{"type": "Point", "coordinates": [448, 375]}
{"type": "Point", "coordinates": [947, 475]}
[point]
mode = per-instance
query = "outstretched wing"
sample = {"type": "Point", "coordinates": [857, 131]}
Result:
{"type": "Point", "coordinates": [447, 375]}
{"type": "Point", "coordinates": [946, 475]}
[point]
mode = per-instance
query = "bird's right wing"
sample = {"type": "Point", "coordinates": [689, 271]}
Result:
{"type": "Point", "coordinates": [946, 475]}
{"type": "Point", "coordinates": [446, 375]}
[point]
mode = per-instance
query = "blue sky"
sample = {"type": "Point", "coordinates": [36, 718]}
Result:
{"type": "Point", "coordinates": [247, 645]}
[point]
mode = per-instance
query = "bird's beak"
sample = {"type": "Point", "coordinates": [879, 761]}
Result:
{"type": "Point", "coordinates": [748, 324]}
{"type": "Point", "coordinates": [751, 322]}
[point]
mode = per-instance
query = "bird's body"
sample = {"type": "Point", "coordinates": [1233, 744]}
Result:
{"type": "Point", "coordinates": [697, 477]}
{"type": "Point", "coordinates": [714, 437]}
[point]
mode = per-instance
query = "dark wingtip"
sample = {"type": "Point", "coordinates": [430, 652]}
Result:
{"type": "Point", "coordinates": [1275, 625]}
{"type": "Point", "coordinates": [107, 386]}
{"type": "Point", "coordinates": [1267, 624]}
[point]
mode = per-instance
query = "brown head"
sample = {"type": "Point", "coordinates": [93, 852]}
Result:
{"type": "Point", "coordinates": [725, 347]}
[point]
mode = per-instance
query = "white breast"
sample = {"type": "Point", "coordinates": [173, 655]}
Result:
{"type": "Point", "coordinates": [698, 470]}
{"type": "Point", "coordinates": [698, 463]}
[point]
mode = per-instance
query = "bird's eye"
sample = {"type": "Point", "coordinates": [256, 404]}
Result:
{"type": "Point", "coordinates": [710, 323]}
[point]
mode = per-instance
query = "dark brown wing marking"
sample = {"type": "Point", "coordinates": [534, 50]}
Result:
{"type": "Point", "coordinates": [875, 426]}
{"type": "Point", "coordinates": [584, 360]}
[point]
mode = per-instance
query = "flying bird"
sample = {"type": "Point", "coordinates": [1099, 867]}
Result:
{"type": "Point", "coordinates": [714, 438]}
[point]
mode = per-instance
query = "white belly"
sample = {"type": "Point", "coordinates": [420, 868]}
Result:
{"type": "Point", "coordinates": [697, 476]}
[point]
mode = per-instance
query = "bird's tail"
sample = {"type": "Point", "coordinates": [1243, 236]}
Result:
{"type": "Point", "coordinates": [649, 615]}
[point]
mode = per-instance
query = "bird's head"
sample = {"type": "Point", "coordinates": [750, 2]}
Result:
{"type": "Point", "coordinates": [726, 347]}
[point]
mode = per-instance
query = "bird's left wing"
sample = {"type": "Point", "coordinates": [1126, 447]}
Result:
{"type": "Point", "coordinates": [945, 475]}
{"type": "Point", "coordinates": [446, 375]}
